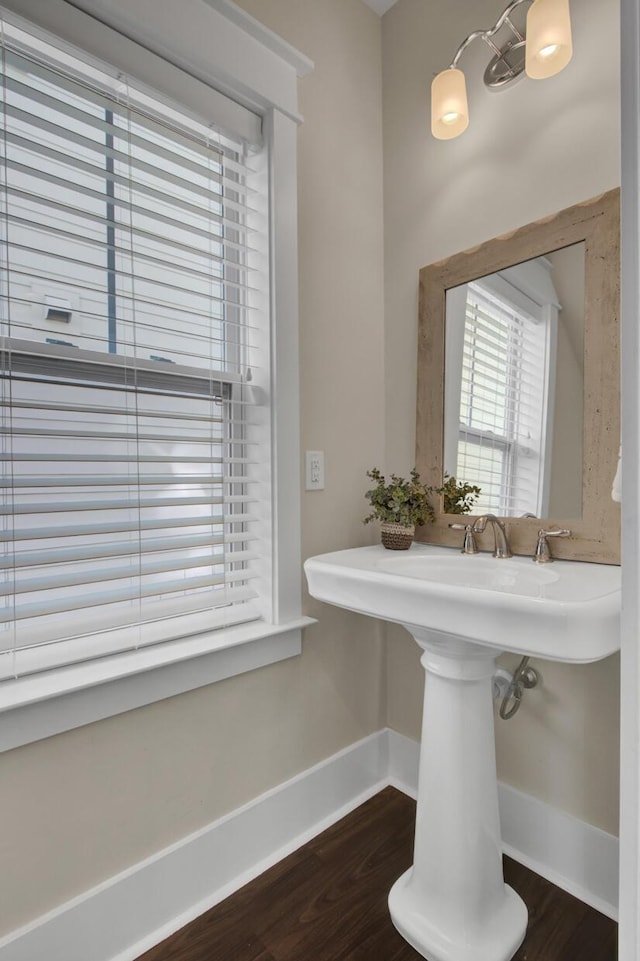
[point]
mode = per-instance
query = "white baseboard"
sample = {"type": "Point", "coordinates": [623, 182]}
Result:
{"type": "Point", "coordinates": [572, 854]}
{"type": "Point", "coordinates": [128, 914]}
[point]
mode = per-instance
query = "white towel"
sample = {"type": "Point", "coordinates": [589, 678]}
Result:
{"type": "Point", "coordinates": [616, 490]}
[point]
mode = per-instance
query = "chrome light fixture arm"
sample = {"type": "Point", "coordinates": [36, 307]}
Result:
{"type": "Point", "coordinates": [487, 35]}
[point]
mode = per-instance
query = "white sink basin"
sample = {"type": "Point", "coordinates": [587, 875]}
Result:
{"type": "Point", "coordinates": [508, 576]}
{"type": "Point", "coordinates": [566, 611]}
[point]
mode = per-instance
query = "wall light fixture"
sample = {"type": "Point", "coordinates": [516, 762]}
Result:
{"type": "Point", "coordinates": [543, 49]}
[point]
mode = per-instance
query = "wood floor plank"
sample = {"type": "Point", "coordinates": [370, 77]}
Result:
{"type": "Point", "coordinates": [348, 907]}
{"type": "Point", "coordinates": [328, 902]}
{"type": "Point", "coordinates": [560, 928]}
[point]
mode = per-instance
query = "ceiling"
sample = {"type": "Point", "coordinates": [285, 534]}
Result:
{"type": "Point", "coordinates": [380, 6]}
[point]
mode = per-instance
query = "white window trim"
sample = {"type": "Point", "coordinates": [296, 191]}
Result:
{"type": "Point", "coordinates": [41, 705]}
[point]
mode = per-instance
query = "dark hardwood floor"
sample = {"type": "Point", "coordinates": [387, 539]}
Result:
{"type": "Point", "coordinates": [328, 902]}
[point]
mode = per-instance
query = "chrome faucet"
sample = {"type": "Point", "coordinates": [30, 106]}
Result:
{"type": "Point", "coordinates": [500, 541]}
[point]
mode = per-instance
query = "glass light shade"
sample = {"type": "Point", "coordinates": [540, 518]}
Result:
{"type": "Point", "coordinates": [549, 47]}
{"type": "Point", "coordinates": [449, 109]}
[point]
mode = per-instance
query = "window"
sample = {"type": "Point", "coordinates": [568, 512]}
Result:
{"type": "Point", "coordinates": [212, 125]}
{"type": "Point", "coordinates": [134, 364]}
{"type": "Point", "coordinates": [506, 341]}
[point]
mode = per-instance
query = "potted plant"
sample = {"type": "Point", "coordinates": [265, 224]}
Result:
{"type": "Point", "coordinates": [400, 505]}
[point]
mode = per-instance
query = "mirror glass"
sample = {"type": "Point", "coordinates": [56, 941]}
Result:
{"type": "Point", "coordinates": [513, 427]}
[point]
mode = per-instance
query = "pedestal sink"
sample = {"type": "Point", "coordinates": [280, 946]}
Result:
{"type": "Point", "coordinates": [453, 904]}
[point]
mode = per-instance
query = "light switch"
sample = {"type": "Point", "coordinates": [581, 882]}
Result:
{"type": "Point", "coordinates": [314, 470]}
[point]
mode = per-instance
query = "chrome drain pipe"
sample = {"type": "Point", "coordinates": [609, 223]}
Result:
{"type": "Point", "coordinates": [511, 686]}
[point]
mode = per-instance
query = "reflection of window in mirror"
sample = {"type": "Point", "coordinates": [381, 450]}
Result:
{"type": "Point", "coordinates": [501, 359]}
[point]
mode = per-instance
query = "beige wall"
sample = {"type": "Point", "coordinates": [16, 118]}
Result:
{"type": "Point", "coordinates": [81, 806]}
{"type": "Point", "coordinates": [529, 151]}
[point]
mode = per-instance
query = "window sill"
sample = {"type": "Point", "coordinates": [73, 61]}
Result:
{"type": "Point", "coordinates": [42, 705]}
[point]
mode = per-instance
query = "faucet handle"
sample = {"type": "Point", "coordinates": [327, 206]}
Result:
{"type": "Point", "coordinates": [469, 545]}
{"type": "Point", "coordinates": [542, 554]}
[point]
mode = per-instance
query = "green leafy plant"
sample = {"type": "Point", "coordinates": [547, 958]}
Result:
{"type": "Point", "coordinates": [458, 498]}
{"type": "Point", "coordinates": [400, 501]}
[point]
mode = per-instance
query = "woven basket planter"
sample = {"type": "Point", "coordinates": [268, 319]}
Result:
{"type": "Point", "coordinates": [395, 537]}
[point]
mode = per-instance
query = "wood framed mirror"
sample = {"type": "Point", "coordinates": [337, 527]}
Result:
{"type": "Point", "coordinates": [587, 234]}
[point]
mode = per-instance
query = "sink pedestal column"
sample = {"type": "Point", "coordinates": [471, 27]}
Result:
{"type": "Point", "coordinates": [453, 904]}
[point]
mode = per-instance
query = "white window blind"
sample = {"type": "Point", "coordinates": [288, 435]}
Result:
{"type": "Point", "coordinates": [130, 436]}
{"type": "Point", "coordinates": [503, 403]}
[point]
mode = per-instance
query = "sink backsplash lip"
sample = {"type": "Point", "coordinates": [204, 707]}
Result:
{"type": "Point", "coordinates": [484, 555]}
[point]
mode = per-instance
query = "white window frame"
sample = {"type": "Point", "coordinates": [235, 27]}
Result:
{"type": "Point", "coordinates": [230, 54]}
